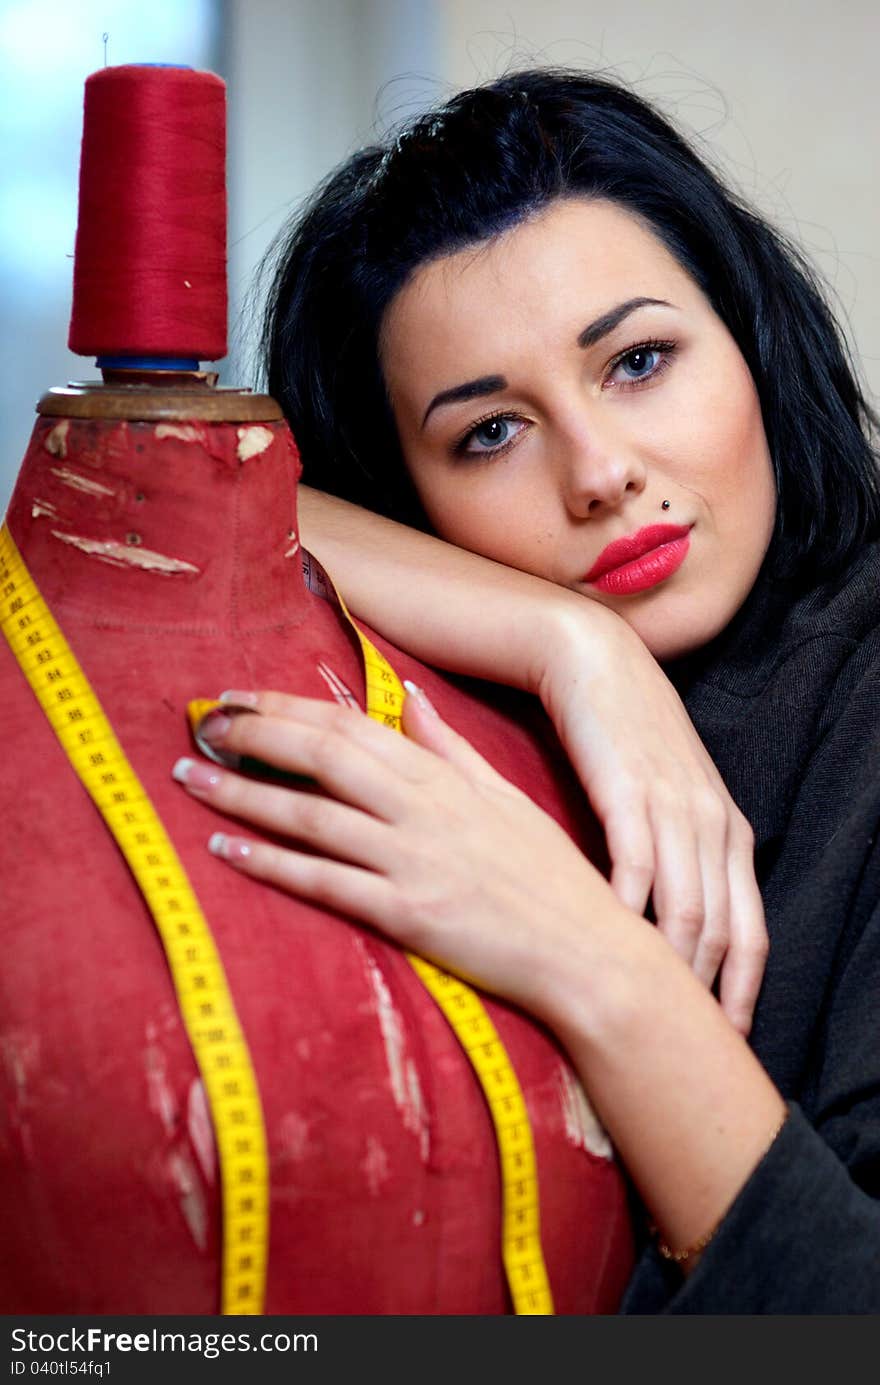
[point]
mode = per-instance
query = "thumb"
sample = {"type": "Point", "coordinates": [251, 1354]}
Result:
{"type": "Point", "coordinates": [422, 723]}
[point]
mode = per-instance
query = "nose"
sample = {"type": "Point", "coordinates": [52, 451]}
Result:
{"type": "Point", "coordinates": [597, 472]}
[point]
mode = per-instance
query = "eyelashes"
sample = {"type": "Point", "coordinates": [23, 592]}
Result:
{"type": "Point", "coordinates": [462, 446]}
{"type": "Point", "coordinates": [663, 349]}
{"type": "Point", "coordinates": [513, 425]}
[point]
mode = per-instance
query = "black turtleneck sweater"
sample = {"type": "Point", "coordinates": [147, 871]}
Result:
{"type": "Point", "coordinates": [787, 702]}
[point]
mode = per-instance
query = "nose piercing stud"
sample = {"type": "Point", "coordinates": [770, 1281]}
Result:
{"type": "Point", "coordinates": [665, 504]}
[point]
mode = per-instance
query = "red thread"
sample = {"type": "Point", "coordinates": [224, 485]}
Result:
{"type": "Point", "coordinates": [150, 266]}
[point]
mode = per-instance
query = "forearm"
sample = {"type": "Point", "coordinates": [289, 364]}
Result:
{"type": "Point", "coordinates": [448, 607]}
{"type": "Point", "coordinates": [688, 1106]}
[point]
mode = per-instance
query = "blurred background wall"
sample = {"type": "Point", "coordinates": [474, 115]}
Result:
{"type": "Point", "coordinates": [783, 96]}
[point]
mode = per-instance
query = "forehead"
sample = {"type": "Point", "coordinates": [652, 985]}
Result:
{"type": "Point", "coordinates": [534, 286]}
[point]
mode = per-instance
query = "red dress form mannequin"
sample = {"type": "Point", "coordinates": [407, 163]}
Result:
{"type": "Point", "coordinates": [167, 553]}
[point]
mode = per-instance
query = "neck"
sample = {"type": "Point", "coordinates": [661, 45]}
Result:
{"type": "Point", "coordinates": [165, 525]}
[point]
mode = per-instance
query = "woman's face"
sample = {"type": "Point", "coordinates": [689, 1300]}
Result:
{"type": "Point", "coordinates": [569, 403]}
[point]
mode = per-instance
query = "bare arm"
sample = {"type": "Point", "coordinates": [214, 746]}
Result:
{"type": "Point", "coordinates": [672, 829]}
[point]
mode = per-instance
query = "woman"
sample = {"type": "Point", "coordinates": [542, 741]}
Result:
{"type": "Point", "coordinates": [568, 348]}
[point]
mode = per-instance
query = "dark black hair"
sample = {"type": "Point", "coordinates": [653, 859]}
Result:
{"type": "Point", "coordinates": [479, 165]}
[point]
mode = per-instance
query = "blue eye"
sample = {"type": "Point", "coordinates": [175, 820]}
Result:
{"type": "Point", "coordinates": [493, 434]}
{"type": "Point", "coordinates": [641, 362]}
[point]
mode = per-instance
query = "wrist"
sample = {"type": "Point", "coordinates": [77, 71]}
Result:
{"type": "Point", "coordinates": [593, 995]}
{"type": "Point", "coordinates": [573, 640]}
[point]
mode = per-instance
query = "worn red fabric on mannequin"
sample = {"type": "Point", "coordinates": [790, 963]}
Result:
{"type": "Point", "coordinates": [168, 555]}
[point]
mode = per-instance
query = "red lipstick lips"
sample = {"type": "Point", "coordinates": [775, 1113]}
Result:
{"type": "Point", "coordinates": [641, 560]}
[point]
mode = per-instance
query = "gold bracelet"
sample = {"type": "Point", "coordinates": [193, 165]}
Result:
{"type": "Point", "coordinates": [677, 1256]}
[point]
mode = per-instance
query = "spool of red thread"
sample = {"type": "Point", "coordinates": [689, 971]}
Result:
{"type": "Point", "coordinates": [149, 281]}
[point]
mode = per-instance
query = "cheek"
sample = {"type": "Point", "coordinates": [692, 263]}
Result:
{"type": "Point", "coordinates": [749, 483]}
{"type": "Point", "coordinates": [731, 467]}
{"type": "Point", "coordinates": [496, 514]}
{"type": "Point", "coordinates": [442, 500]}
{"type": "Point", "coordinates": [465, 513]}
{"type": "Point", "coordinates": [461, 503]}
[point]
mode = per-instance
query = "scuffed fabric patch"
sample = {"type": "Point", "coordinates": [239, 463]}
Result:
{"type": "Point", "coordinates": [252, 441]}
{"type": "Point", "coordinates": [80, 483]}
{"type": "Point", "coordinates": [160, 1095]}
{"type": "Point", "coordinates": [402, 1074]}
{"type": "Point", "coordinates": [201, 1130]}
{"type": "Point", "coordinates": [582, 1125]}
{"type": "Point", "coordinates": [185, 1179]}
{"type": "Point", "coordinates": [183, 432]}
{"type": "Point", "coordinates": [295, 1143]}
{"type": "Point", "coordinates": [55, 441]}
{"type": "Point", "coordinates": [375, 1166]}
{"type": "Point", "coordinates": [127, 555]}
{"type": "Point", "coordinates": [41, 509]}
{"type": "Point", "coordinates": [19, 1061]}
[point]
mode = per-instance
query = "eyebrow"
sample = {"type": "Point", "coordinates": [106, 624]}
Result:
{"type": "Point", "coordinates": [472, 389]}
{"type": "Point", "coordinates": [594, 332]}
{"type": "Point", "coordinates": [608, 321]}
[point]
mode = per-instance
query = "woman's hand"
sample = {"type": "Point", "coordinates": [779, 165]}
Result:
{"type": "Point", "coordinates": [674, 833]}
{"type": "Point", "coordinates": [429, 845]}
{"type": "Point", "coordinates": [420, 837]}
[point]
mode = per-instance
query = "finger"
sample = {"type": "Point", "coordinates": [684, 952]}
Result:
{"type": "Point", "coordinates": [372, 735]}
{"type": "Point", "coordinates": [631, 849]}
{"type": "Point", "coordinates": [412, 755]}
{"type": "Point", "coordinates": [330, 884]}
{"type": "Point", "coordinates": [348, 756]}
{"type": "Point", "coordinates": [275, 704]}
{"type": "Point", "coordinates": [315, 821]}
{"type": "Point", "coordinates": [743, 968]}
{"type": "Point", "coordinates": [414, 762]}
{"type": "Point", "coordinates": [423, 725]}
{"type": "Point", "coordinates": [678, 884]}
{"type": "Point", "coordinates": [712, 847]}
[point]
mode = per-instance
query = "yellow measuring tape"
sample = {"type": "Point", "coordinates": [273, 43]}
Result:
{"type": "Point", "coordinates": [206, 1004]}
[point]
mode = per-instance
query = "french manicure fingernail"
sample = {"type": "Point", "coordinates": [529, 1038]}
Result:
{"type": "Point", "coordinates": [235, 698]}
{"type": "Point", "coordinates": [420, 696]}
{"type": "Point", "coordinates": [215, 726]}
{"type": "Point", "coordinates": [195, 775]}
{"type": "Point", "coordinates": [229, 848]}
